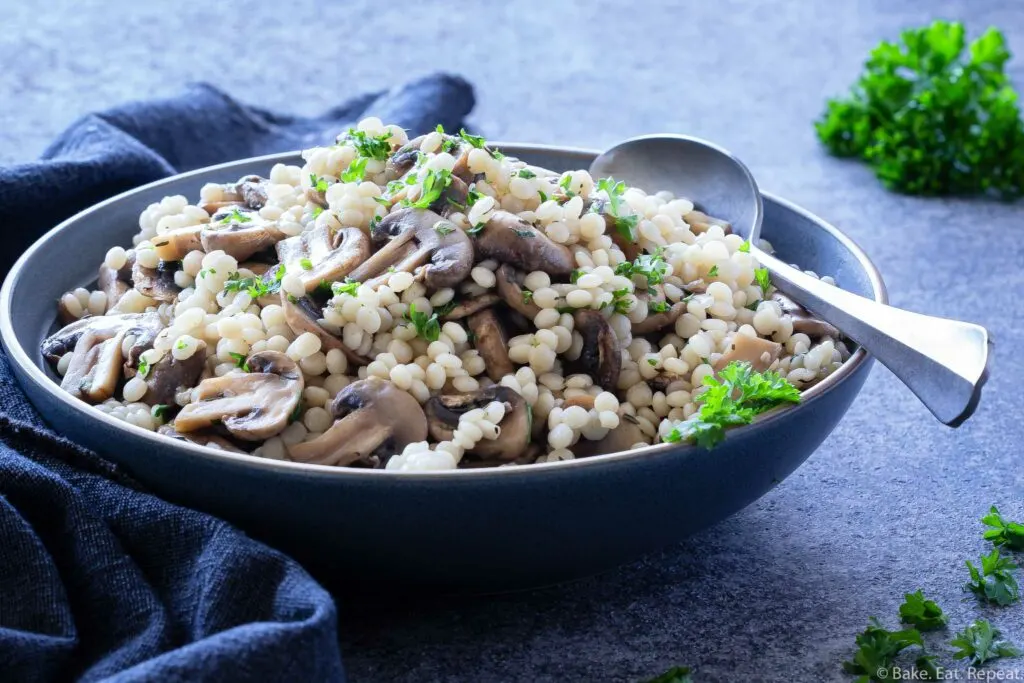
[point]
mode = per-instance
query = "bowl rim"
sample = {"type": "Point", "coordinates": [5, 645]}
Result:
{"type": "Point", "coordinates": [34, 374]}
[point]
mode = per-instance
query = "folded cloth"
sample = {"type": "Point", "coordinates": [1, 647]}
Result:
{"type": "Point", "coordinates": [98, 579]}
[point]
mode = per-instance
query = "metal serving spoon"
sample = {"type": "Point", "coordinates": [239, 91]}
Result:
{"type": "Point", "coordinates": [944, 362]}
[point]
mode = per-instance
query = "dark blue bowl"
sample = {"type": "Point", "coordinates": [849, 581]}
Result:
{"type": "Point", "coordinates": [466, 530]}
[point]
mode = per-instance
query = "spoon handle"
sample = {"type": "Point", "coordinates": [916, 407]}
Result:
{"type": "Point", "coordinates": [944, 362]}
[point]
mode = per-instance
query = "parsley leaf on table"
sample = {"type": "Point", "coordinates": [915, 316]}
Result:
{"type": "Point", "coordinates": [981, 643]}
{"type": "Point", "coordinates": [1002, 532]}
{"type": "Point", "coordinates": [923, 613]}
{"type": "Point", "coordinates": [677, 674]}
{"type": "Point", "coordinates": [735, 397]}
{"type": "Point", "coordinates": [877, 647]}
{"type": "Point", "coordinates": [995, 581]}
{"type": "Point", "coordinates": [932, 120]}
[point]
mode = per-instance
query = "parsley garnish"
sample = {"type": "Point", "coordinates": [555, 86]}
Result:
{"type": "Point", "coordinates": [1003, 533]}
{"type": "Point", "coordinates": [677, 674]}
{"type": "Point", "coordinates": [526, 173]}
{"type": "Point", "coordinates": [439, 128]}
{"type": "Point", "coordinates": [564, 183]}
{"type": "Point", "coordinates": [443, 228]}
{"type": "Point", "coordinates": [240, 360]}
{"type": "Point", "coordinates": [306, 264]}
{"type": "Point", "coordinates": [626, 225]}
{"type": "Point", "coordinates": [763, 279]}
{"type": "Point", "coordinates": [434, 183]}
{"type": "Point", "coordinates": [995, 581]}
{"type": "Point", "coordinates": [735, 397]}
{"type": "Point", "coordinates": [543, 197]}
{"type": "Point", "coordinates": [621, 301]}
{"type": "Point", "coordinates": [255, 286]}
{"type": "Point", "coordinates": [294, 417]}
{"type": "Point", "coordinates": [476, 229]}
{"type": "Point", "coordinates": [473, 196]}
{"type": "Point", "coordinates": [447, 145]}
{"type": "Point", "coordinates": [527, 296]}
{"type": "Point", "coordinates": [497, 155]}
{"type": "Point", "coordinates": [474, 140]}
{"type": "Point", "coordinates": [317, 210]}
{"type": "Point", "coordinates": [575, 275]}
{"type": "Point", "coordinates": [525, 233]}
{"type": "Point", "coordinates": [356, 171]}
{"type": "Point", "coordinates": [877, 647]}
{"type": "Point", "coordinates": [317, 183]}
{"type": "Point", "coordinates": [981, 643]}
{"type": "Point", "coordinates": [372, 147]}
{"type": "Point", "coordinates": [235, 216]}
{"type": "Point", "coordinates": [159, 410]}
{"type": "Point", "coordinates": [921, 612]}
{"type": "Point", "coordinates": [181, 345]}
{"type": "Point", "coordinates": [457, 205]}
{"type": "Point", "coordinates": [426, 326]}
{"type": "Point", "coordinates": [143, 367]}
{"type": "Point", "coordinates": [745, 247]}
{"type": "Point", "coordinates": [658, 306]}
{"type": "Point", "coordinates": [714, 271]}
{"type": "Point", "coordinates": [653, 362]}
{"type": "Point", "coordinates": [926, 116]}
{"type": "Point", "coordinates": [349, 286]}
{"type": "Point", "coordinates": [651, 266]}
{"type": "Point", "coordinates": [442, 311]}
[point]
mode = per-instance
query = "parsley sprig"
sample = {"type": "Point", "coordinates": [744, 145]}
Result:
{"type": "Point", "coordinates": [624, 224]}
{"type": "Point", "coordinates": [1001, 532]}
{"type": "Point", "coordinates": [877, 648]}
{"type": "Point", "coordinates": [923, 613]}
{"type": "Point", "coordinates": [433, 185]}
{"type": "Point", "coordinates": [349, 286]}
{"type": "Point", "coordinates": [235, 216]}
{"type": "Point", "coordinates": [677, 674]}
{"type": "Point", "coordinates": [426, 326]}
{"type": "Point", "coordinates": [995, 581]}
{"type": "Point", "coordinates": [256, 287]}
{"type": "Point", "coordinates": [317, 183]}
{"type": "Point", "coordinates": [241, 360]}
{"type": "Point", "coordinates": [980, 642]}
{"type": "Point", "coordinates": [651, 266]}
{"type": "Point", "coordinates": [735, 397]}
{"type": "Point", "coordinates": [356, 171]}
{"type": "Point", "coordinates": [371, 146]}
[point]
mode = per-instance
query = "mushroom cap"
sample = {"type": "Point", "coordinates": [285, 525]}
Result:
{"type": "Point", "coordinates": [240, 237]}
{"type": "Point", "coordinates": [760, 353]}
{"type": "Point", "coordinates": [404, 158]}
{"type": "Point", "coordinates": [507, 238]}
{"type": "Point", "coordinates": [601, 356]}
{"type": "Point", "coordinates": [492, 343]}
{"type": "Point", "coordinates": [110, 283]}
{"type": "Point", "coordinates": [444, 411]}
{"type": "Point", "coordinates": [253, 406]}
{"type": "Point", "coordinates": [629, 248]}
{"type": "Point", "coordinates": [174, 245]}
{"type": "Point", "coordinates": [157, 283]}
{"type": "Point", "coordinates": [95, 367]}
{"type": "Point", "coordinates": [170, 375]}
{"type": "Point", "coordinates": [303, 315]}
{"type": "Point", "coordinates": [619, 439]}
{"type": "Point", "coordinates": [511, 291]}
{"type": "Point", "coordinates": [446, 259]}
{"type": "Point", "coordinates": [144, 327]}
{"type": "Point", "coordinates": [332, 254]}
{"type": "Point", "coordinates": [468, 307]}
{"type": "Point", "coordinates": [374, 420]}
{"type": "Point", "coordinates": [657, 321]}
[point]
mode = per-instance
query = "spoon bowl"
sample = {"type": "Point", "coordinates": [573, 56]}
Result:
{"type": "Point", "coordinates": [944, 362]}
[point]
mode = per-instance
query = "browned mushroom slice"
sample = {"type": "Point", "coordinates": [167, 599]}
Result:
{"type": "Point", "coordinates": [252, 406]}
{"type": "Point", "coordinates": [240, 233]}
{"type": "Point", "coordinates": [444, 411]}
{"type": "Point", "coordinates": [803, 321]}
{"type": "Point", "coordinates": [507, 238]}
{"type": "Point", "coordinates": [374, 420]}
{"type": "Point", "coordinates": [420, 241]}
{"type": "Point", "coordinates": [170, 375]}
{"type": "Point", "coordinates": [657, 320]}
{"type": "Point", "coordinates": [141, 327]}
{"type": "Point", "coordinates": [95, 367]}
{"type": "Point", "coordinates": [468, 307]}
{"type": "Point", "coordinates": [201, 439]}
{"type": "Point", "coordinates": [760, 353]}
{"type": "Point", "coordinates": [404, 159]}
{"type": "Point", "coordinates": [510, 288]}
{"type": "Point", "coordinates": [304, 315]}
{"type": "Point", "coordinates": [157, 283]}
{"type": "Point", "coordinates": [699, 222]}
{"type": "Point", "coordinates": [174, 245]}
{"type": "Point", "coordinates": [110, 283]}
{"type": "Point", "coordinates": [492, 343]}
{"type": "Point", "coordinates": [329, 256]}
{"type": "Point", "coordinates": [622, 438]}
{"type": "Point", "coordinates": [629, 248]}
{"type": "Point", "coordinates": [601, 356]}
{"type": "Point", "coordinates": [250, 191]}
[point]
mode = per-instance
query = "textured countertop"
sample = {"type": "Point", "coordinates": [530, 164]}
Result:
{"type": "Point", "coordinates": [891, 500]}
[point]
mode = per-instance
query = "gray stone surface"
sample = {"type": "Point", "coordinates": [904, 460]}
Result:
{"type": "Point", "coordinates": [889, 503]}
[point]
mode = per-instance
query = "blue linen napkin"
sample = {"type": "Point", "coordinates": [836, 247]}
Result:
{"type": "Point", "coordinates": [100, 580]}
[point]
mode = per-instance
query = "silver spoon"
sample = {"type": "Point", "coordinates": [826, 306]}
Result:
{"type": "Point", "coordinates": [944, 362]}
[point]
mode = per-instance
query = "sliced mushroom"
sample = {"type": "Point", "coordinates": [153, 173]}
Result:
{"type": "Point", "coordinates": [509, 239]}
{"type": "Point", "coordinates": [420, 241]}
{"type": "Point", "coordinates": [374, 420]}
{"type": "Point", "coordinates": [330, 255]}
{"type": "Point", "coordinates": [404, 159]}
{"type": "Point", "coordinates": [173, 245]}
{"type": "Point", "coordinates": [157, 283]}
{"type": "Point", "coordinates": [601, 356]}
{"type": "Point", "coordinates": [141, 327]}
{"type": "Point", "coordinates": [444, 411]}
{"type": "Point", "coordinates": [95, 367]}
{"type": "Point", "coordinates": [170, 375]}
{"type": "Point", "coordinates": [657, 321]}
{"type": "Point", "coordinates": [622, 438]}
{"type": "Point", "coordinates": [249, 191]}
{"type": "Point", "coordinates": [803, 321]}
{"type": "Point", "coordinates": [491, 341]}
{"type": "Point", "coordinates": [240, 233]}
{"type": "Point", "coordinates": [212, 440]}
{"type": "Point", "coordinates": [511, 290]}
{"type": "Point", "coordinates": [252, 406]}
{"type": "Point", "coordinates": [699, 222]}
{"type": "Point", "coordinates": [468, 307]}
{"type": "Point", "coordinates": [304, 315]}
{"type": "Point", "coordinates": [760, 353]}
{"type": "Point", "coordinates": [602, 207]}
{"type": "Point", "coordinates": [110, 283]}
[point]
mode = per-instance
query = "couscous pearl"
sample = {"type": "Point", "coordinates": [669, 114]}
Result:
{"type": "Point", "coordinates": [483, 277]}
{"type": "Point", "coordinates": [306, 344]}
{"type": "Point", "coordinates": [317, 419]}
{"type": "Point", "coordinates": [579, 298]}
{"type": "Point", "coordinates": [184, 347]}
{"type": "Point", "coordinates": [134, 389]}
{"type": "Point", "coordinates": [560, 437]}
{"type": "Point", "coordinates": [116, 258]}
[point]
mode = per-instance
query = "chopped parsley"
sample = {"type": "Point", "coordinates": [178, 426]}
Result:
{"type": "Point", "coordinates": [476, 229]}
{"type": "Point", "coordinates": [371, 146]}
{"type": "Point", "coordinates": [383, 201]}
{"type": "Point", "coordinates": [207, 271]}
{"type": "Point", "coordinates": [526, 173]}
{"type": "Point", "coordinates": [317, 210]}
{"type": "Point", "coordinates": [306, 264]}
{"type": "Point", "coordinates": [925, 614]}
{"type": "Point", "coordinates": [394, 187]}
{"type": "Point", "coordinates": [1002, 532]}
{"type": "Point", "coordinates": [525, 233]}
{"type": "Point", "coordinates": [473, 195]}
{"type": "Point", "coordinates": [745, 247]}
{"type": "Point", "coordinates": [651, 266]}
{"type": "Point", "coordinates": [626, 225]}
{"type": "Point", "coordinates": [294, 417]}
{"type": "Point", "coordinates": [763, 279]}
{"type": "Point", "coordinates": [565, 183]}
{"type": "Point", "coordinates": [235, 216]}
{"type": "Point", "coordinates": [443, 228]}
{"type": "Point", "coordinates": [439, 128]}
{"type": "Point", "coordinates": [474, 140]}
{"type": "Point", "coordinates": [714, 271]}
{"type": "Point", "coordinates": [181, 345]}
{"type": "Point", "coordinates": [317, 183]}
{"type": "Point", "coordinates": [527, 296]}
{"type": "Point", "coordinates": [735, 397]}
{"type": "Point", "coordinates": [241, 361]}
{"type": "Point", "coordinates": [433, 185]}
{"type": "Point", "coordinates": [255, 286]}
{"type": "Point", "coordinates": [543, 197]}
{"type": "Point", "coordinates": [356, 171]}
{"type": "Point", "coordinates": [457, 205]}
{"type": "Point", "coordinates": [444, 310]}
{"type": "Point", "coordinates": [143, 367]}
{"type": "Point", "coordinates": [159, 411]}
{"type": "Point", "coordinates": [995, 581]}
{"type": "Point", "coordinates": [349, 286]}
{"type": "Point", "coordinates": [447, 145]}
{"type": "Point", "coordinates": [877, 647]}
{"type": "Point", "coordinates": [426, 326]}
{"type": "Point", "coordinates": [497, 155]}
{"type": "Point", "coordinates": [658, 306]}
{"type": "Point", "coordinates": [653, 362]}
{"type": "Point", "coordinates": [980, 642]}
{"type": "Point", "coordinates": [575, 275]}
{"type": "Point", "coordinates": [677, 674]}
{"type": "Point", "coordinates": [622, 301]}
